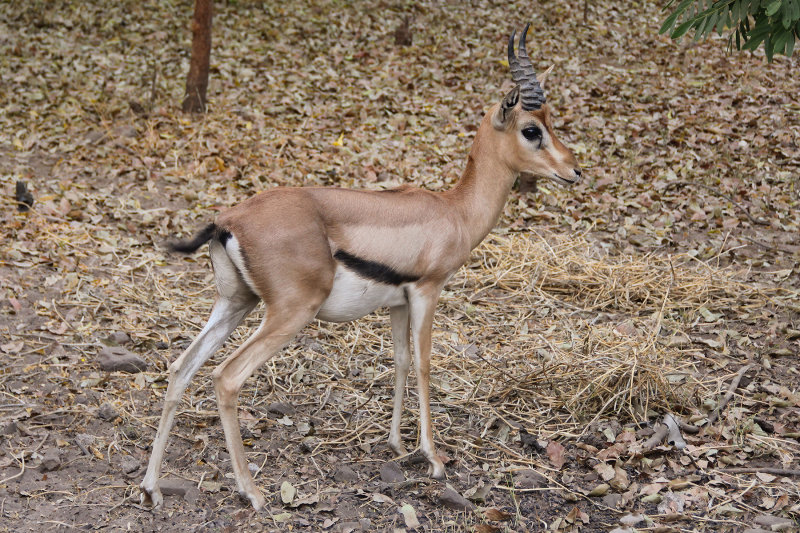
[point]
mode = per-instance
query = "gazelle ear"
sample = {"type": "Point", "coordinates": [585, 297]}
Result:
{"type": "Point", "coordinates": [543, 76]}
{"type": "Point", "coordinates": [501, 118]}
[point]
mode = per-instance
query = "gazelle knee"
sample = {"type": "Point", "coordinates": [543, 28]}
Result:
{"type": "Point", "coordinates": [227, 391]}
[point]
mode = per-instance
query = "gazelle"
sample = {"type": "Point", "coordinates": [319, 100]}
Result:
{"type": "Point", "coordinates": [337, 255]}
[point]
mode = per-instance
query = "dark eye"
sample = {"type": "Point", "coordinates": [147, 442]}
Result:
{"type": "Point", "coordinates": [532, 133]}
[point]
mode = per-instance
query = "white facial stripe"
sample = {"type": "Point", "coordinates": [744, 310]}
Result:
{"type": "Point", "coordinates": [558, 156]}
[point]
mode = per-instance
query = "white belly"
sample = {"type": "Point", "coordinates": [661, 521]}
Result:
{"type": "Point", "coordinates": [353, 297]}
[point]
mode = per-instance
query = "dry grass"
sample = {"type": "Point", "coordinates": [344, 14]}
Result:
{"type": "Point", "coordinates": [540, 331]}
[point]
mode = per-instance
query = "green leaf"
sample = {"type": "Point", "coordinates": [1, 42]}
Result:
{"type": "Point", "coordinates": [768, 49]}
{"type": "Point", "coordinates": [736, 10]}
{"type": "Point", "coordinates": [681, 30]}
{"type": "Point", "coordinates": [781, 39]}
{"type": "Point", "coordinates": [788, 20]}
{"type": "Point", "coordinates": [673, 18]}
{"type": "Point", "coordinates": [750, 23]}
{"type": "Point", "coordinates": [773, 7]}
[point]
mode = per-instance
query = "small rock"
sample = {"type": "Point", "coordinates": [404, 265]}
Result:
{"type": "Point", "coordinates": [81, 399]}
{"type": "Point", "coordinates": [94, 136]}
{"type": "Point", "coordinates": [775, 523]}
{"type": "Point", "coordinates": [126, 130]}
{"type": "Point", "coordinates": [107, 412]}
{"type": "Point", "coordinates": [51, 460]}
{"type": "Point", "coordinates": [119, 338]}
{"type": "Point", "coordinates": [529, 479]}
{"type": "Point", "coordinates": [455, 501]}
{"type": "Point", "coordinates": [84, 439]}
{"type": "Point", "coordinates": [345, 473]}
{"type": "Point", "coordinates": [129, 465]}
{"type": "Point", "coordinates": [613, 500]}
{"type": "Point", "coordinates": [174, 487]}
{"type": "Point", "coordinates": [118, 359]}
{"type": "Point", "coordinates": [9, 429]}
{"type": "Point", "coordinates": [631, 519]}
{"type": "Point", "coordinates": [309, 444]}
{"type": "Point", "coordinates": [161, 345]}
{"type": "Point", "coordinates": [192, 495]}
{"type": "Point", "coordinates": [130, 432]}
{"type": "Point", "coordinates": [281, 408]}
{"type": "Point", "coordinates": [392, 473]}
{"type": "Point", "coordinates": [530, 441]}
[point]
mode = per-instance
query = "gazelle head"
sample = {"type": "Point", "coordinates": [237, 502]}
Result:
{"type": "Point", "coordinates": [523, 115]}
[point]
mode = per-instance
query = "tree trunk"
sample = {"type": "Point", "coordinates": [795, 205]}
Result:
{"type": "Point", "coordinates": [197, 80]}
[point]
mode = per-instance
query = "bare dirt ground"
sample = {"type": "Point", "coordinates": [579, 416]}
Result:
{"type": "Point", "coordinates": [588, 316]}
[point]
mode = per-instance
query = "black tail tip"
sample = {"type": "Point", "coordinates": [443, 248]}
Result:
{"type": "Point", "coordinates": [190, 246]}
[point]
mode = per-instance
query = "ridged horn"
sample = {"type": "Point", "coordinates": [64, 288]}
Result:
{"type": "Point", "coordinates": [523, 74]}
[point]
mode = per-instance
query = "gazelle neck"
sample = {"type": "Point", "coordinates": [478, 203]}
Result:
{"type": "Point", "coordinates": [485, 184]}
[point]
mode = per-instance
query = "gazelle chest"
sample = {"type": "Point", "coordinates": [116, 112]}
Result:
{"type": "Point", "coordinates": [353, 296]}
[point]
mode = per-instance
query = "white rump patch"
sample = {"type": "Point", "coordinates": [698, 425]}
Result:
{"type": "Point", "coordinates": [353, 297]}
{"type": "Point", "coordinates": [234, 252]}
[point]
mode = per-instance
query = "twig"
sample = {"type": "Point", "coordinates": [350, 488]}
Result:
{"type": "Point", "coordinates": [731, 391]}
{"type": "Point", "coordinates": [18, 474]}
{"type": "Point", "coordinates": [765, 245]}
{"type": "Point", "coordinates": [130, 497]}
{"type": "Point", "coordinates": [151, 104]}
{"type": "Point", "coordinates": [688, 428]}
{"type": "Point", "coordinates": [761, 469]}
{"type": "Point", "coordinates": [661, 433]}
{"type": "Point", "coordinates": [82, 447]}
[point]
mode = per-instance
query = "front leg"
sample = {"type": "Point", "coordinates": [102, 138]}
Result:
{"type": "Point", "coordinates": [402, 362]}
{"type": "Point", "coordinates": [422, 302]}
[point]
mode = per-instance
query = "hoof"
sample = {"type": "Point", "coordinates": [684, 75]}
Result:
{"type": "Point", "coordinates": [255, 498]}
{"type": "Point", "coordinates": [436, 470]}
{"type": "Point", "coordinates": [398, 449]}
{"type": "Point", "coordinates": [151, 498]}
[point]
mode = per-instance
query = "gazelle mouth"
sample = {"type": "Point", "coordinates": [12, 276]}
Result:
{"type": "Point", "coordinates": [564, 180]}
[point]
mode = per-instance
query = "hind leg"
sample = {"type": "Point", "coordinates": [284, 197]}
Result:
{"type": "Point", "coordinates": [225, 316]}
{"type": "Point", "coordinates": [281, 323]}
{"type": "Point", "coordinates": [234, 303]}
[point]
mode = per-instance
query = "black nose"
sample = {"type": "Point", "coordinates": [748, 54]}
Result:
{"type": "Point", "coordinates": [577, 172]}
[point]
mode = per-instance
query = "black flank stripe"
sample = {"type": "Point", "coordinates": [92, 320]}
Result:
{"type": "Point", "coordinates": [372, 270]}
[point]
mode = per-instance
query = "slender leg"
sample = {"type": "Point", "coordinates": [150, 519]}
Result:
{"type": "Point", "coordinates": [225, 316]}
{"type": "Point", "coordinates": [422, 303]}
{"type": "Point", "coordinates": [229, 377]}
{"type": "Point", "coordinates": [402, 362]}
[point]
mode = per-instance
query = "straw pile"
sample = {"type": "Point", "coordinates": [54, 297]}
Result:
{"type": "Point", "coordinates": [540, 331]}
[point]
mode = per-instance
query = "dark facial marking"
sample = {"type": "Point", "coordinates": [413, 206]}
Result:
{"type": "Point", "coordinates": [372, 270]}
